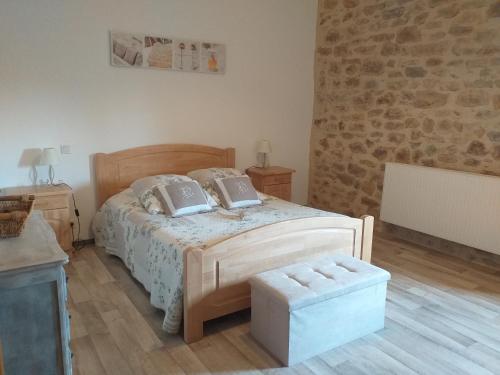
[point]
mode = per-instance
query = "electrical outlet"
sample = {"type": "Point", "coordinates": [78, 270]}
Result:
{"type": "Point", "coordinates": [66, 149]}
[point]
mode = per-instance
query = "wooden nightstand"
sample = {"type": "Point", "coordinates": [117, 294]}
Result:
{"type": "Point", "coordinates": [54, 202]}
{"type": "Point", "coordinates": [276, 181]}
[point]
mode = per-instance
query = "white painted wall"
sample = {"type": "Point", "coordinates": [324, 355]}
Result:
{"type": "Point", "coordinates": [57, 86]}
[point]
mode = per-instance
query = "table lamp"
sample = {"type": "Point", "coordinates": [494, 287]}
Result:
{"type": "Point", "coordinates": [263, 149]}
{"type": "Point", "coordinates": [49, 157]}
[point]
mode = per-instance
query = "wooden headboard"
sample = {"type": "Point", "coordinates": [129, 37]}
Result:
{"type": "Point", "coordinates": [116, 171]}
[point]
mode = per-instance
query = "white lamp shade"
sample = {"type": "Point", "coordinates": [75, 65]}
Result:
{"type": "Point", "coordinates": [49, 157]}
{"type": "Point", "coordinates": [264, 146]}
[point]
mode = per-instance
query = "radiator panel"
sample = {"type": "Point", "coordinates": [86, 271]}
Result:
{"type": "Point", "coordinates": [457, 206]}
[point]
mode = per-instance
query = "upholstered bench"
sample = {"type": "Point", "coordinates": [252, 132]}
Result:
{"type": "Point", "coordinates": [307, 308]}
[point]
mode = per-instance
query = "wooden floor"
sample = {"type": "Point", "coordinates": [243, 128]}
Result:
{"type": "Point", "coordinates": [443, 317]}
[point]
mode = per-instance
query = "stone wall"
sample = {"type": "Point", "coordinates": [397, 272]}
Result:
{"type": "Point", "coordinates": [412, 81]}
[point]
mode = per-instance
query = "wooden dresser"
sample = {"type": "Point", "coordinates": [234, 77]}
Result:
{"type": "Point", "coordinates": [54, 202]}
{"type": "Point", "coordinates": [34, 321]}
{"type": "Point", "coordinates": [276, 181]}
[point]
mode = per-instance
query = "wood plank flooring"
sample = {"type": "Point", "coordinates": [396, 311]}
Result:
{"type": "Point", "coordinates": [443, 317]}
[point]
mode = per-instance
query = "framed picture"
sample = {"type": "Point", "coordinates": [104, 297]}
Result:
{"type": "Point", "coordinates": [186, 55]}
{"type": "Point", "coordinates": [158, 52]}
{"type": "Point", "coordinates": [213, 58]}
{"type": "Point", "coordinates": [126, 49]}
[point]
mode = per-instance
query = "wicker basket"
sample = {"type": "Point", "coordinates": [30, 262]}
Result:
{"type": "Point", "coordinates": [14, 210]}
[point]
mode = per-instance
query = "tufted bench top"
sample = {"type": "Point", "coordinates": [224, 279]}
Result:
{"type": "Point", "coordinates": [303, 284]}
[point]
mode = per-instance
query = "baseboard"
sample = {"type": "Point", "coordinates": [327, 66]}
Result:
{"type": "Point", "coordinates": [443, 246]}
{"type": "Point", "coordinates": [82, 243]}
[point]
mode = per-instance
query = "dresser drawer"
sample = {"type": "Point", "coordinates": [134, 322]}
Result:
{"type": "Point", "coordinates": [282, 191]}
{"type": "Point", "coordinates": [51, 202]}
{"type": "Point", "coordinates": [277, 179]}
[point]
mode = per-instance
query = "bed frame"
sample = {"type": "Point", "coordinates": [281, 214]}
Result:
{"type": "Point", "coordinates": [215, 277]}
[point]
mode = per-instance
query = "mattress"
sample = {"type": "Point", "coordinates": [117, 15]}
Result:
{"type": "Point", "coordinates": [152, 246]}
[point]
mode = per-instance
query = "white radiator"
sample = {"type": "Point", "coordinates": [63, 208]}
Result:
{"type": "Point", "coordinates": [457, 206]}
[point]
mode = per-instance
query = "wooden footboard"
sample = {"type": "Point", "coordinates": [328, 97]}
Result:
{"type": "Point", "coordinates": [215, 278]}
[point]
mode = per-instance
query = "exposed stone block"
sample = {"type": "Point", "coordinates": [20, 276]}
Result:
{"type": "Point", "coordinates": [494, 136]}
{"type": "Point", "coordinates": [447, 158]}
{"type": "Point", "coordinates": [477, 148]}
{"type": "Point", "coordinates": [496, 102]}
{"type": "Point", "coordinates": [434, 61]}
{"type": "Point", "coordinates": [472, 98]}
{"type": "Point", "coordinates": [346, 179]}
{"type": "Point", "coordinates": [380, 153]}
{"type": "Point", "coordinates": [385, 37]}
{"type": "Point", "coordinates": [429, 49]}
{"type": "Point", "coordinates": [394, 113]}
{"type": "Point", "coordinates": [356, 170]}
{"type": "Point", "coordinates": [396, 138]}
{"type": "Point", "coordinates": [494, 10]}
{"type": "Point", "coordinates": [357, 148]}
{"type": "Point", "coordinates": [459, 30]}
{"type": "Point", "coordinates": [421, 18]}
{"type": "Point", "coordinates": [393, 13]}
{"type": "Point", "coordinates": [415, 72]}
{"type": "Point", "coordinates": [394, 125]}
{"type": "Point", "coordinates": [332, 36]}
{"type": "Point", "coordinates": [409, 34]}
{"type": "Point", "coordinates": [449, 11]}
{"type": "Point", "coordinates": [351, 3]}
{"type": "Point", "coordinates": [369, 202]}
{"type": "Point", "coordinates": [371, 9]}
{"type": "Point", "coordinates": [436, 3]}
{"type": "Point", "coordinates": [429, 99]}
{"type": "Point", "coordinates": [496, 152]}
{"type": "Point", "coordinates": [389, 98]}
{"type": "Point", "coordinates": [472, 162]}
{"type": "Point", "coordinates": [324, 51]}
{"type": "Point", "coordinates": [373, 67]}
{"type": "Point", "coordinates": [403, 155]}
{"type": "Point", "coordinates": [330, 4]}
{"type": "Point", "coordinates": [391, 49]}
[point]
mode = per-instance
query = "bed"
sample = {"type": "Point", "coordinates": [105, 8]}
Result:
{"type": "Point", "coordinates": [214, 267]}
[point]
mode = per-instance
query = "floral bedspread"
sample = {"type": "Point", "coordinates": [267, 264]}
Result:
{"type": "Point", "coordinates": [152, 246]}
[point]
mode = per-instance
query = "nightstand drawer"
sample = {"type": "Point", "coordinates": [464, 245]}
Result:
{"type": "Point", "coordinates": [51, 202]}
{"type": "Point", "coordinates": [277, 179]}
{"type": "Point", "coordinates": [282, 191]}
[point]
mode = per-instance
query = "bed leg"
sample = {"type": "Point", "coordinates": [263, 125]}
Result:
{"type": "Point", "coordinates": [193, 331]}
{"type": "Point", "coordinates": [366, 245]}
{"type": "Point", "coordinates": [193, 295]}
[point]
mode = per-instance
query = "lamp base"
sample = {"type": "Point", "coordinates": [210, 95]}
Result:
{"type": "Point", "coordinates": [266, 161]}
{"type": "Point", "coordinates": [263, 160]}
{"type": "Point", "coordinates": [51, 174]}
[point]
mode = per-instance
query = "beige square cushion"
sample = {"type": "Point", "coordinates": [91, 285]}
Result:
{"type": "Point", "coordinates": [182, 198]}
{"type": "Point", "coordinates": [143, 189]}
{"type": "Point", "coordinates": [236, 192]}
{"type": "Point", "coordinates": [207, 176]}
